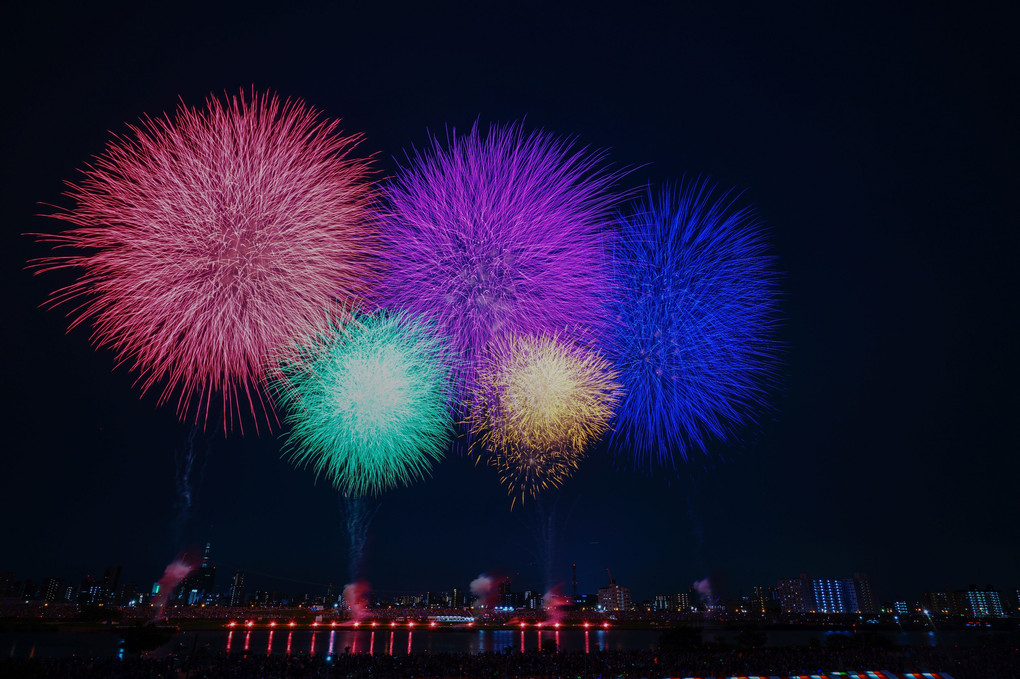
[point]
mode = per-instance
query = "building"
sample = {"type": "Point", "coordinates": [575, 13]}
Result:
{"type": "Point", "coordinates": [865, 599]}
{"type": "Point", "coordinates": [765, 599]}
{"type": "Point", "coordinates": [979, 603]}
{"type": "Point", "coordinates": [614, 597]}
{"type": "Point", "coordinates": [53, 589]}
{"type": "Point", "coordinates": [795, 595]}
{"type": "Point", "coordinates": [939, 603]}
{"type": "Point", "coordinates": [834, 596]}
{"type": "Point", "coordinates": [111, 581]}
{"type": "Point", "coordinates": [199, 586]}
{"type": "Point", "coordinates": [237, 589]}
{"type": "Point", "coordinates": [818, 595]}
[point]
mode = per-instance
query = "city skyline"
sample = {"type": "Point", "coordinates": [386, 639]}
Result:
{"type": "Point", "coordinates": [873, 143]}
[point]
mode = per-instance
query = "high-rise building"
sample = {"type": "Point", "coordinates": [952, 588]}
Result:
{"type": "Point", "coordinates": [111, 580]}
{"type": "Point", "coordinates": [834, 596]}
{"type": "Point", "coordinates": [506, 596]}
{"type": "Point", "coordinates": [795, 594]}
{"type": "Point", "coordinates": [809, 595]}
{"type": "Point", "coordinates": [200, 584]}
{"type": "Point", "coordinates": [237, 589]}
{"type": "Point", "coordinates": [865, 599]}
{"type": "Point", "coordinates": [53, 589]}
{"type": "Point", "coordinates": [979, 603]}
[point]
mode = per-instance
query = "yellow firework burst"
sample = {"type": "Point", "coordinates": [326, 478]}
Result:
{"type": "Point", "coordinates": [540, 404]}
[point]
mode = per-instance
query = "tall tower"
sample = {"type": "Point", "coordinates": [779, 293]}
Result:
{"type": "Point", "coordinates": [237, 589]}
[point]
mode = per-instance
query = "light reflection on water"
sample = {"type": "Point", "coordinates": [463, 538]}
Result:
{"type": "Point", "coordinates": [408, 641]}
{"type": "Point", "coordinates": [402, 641]}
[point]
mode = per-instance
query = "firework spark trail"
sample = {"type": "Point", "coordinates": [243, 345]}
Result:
{"type": "Point", "coordinates": [499, 233]}
{"type": "Point", "coordinates": [357, 513]}
{"type": "Point", "coordinates": [548, 526]}
{"type": "Point", "coordinates": [368, 402]}
{"type": "Point", "coordinates": [696, 318]}
{"type": "Point", "coordinates": [540, 403]}
{"type": "Point", "coordinates": [213, 238]}
{"type": "Point", "coordinates": [184, 462]}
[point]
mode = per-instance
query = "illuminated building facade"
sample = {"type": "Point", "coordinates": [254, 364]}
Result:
{"type": "Point", "coordinates": [614, 598]}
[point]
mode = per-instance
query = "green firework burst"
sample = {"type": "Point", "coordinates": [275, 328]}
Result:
{"type": "Point", "coordinates": [368, 402]}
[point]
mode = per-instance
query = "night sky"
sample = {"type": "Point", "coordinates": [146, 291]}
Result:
{"type": "Point", "coordinates": [879, 144]}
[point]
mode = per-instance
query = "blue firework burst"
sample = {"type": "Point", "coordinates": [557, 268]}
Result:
{"type": "Point", "coordinates": [696, 319]}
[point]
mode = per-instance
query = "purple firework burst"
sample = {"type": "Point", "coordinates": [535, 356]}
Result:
{"type": "Point", "coordinates": [499, 233]}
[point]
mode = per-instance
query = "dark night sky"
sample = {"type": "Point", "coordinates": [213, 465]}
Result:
{"type": "Point", "coordinates": [879, 144]}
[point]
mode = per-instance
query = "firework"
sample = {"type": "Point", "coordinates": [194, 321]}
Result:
{"type": "Point", "coordinates": [207, 241]}
{"type": "Point", "coordinates": [368, 402]}
{"type": "Point", "coordinates": [497, 234]}
{"type": "Point", "coordinates": [540, 403]}
{"type": "Point", "coordinates": [694, 340]}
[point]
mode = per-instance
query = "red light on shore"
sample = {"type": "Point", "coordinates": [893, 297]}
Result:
{"type": "Point", "coordinates": [356, 624]}
{"type": "Point", "coordinates": [333, 624]}
{"type": "Point", "coordinates": [393, 624]}
{"type": "Point", "coordinates": [605, 625]}
{"type": "Point", "coordinates": [587, 625]}
{"type": "Point", "coordinates": [272, 624]}
{"type": "Point", "coordinates": [249, 623]}
{"type": "Point", "coordinates": [557, 625]}
{"type": "Point", "coordinates": [315, 624]}
{"type": "Point", "coordinates": [432, 624]}
{"type": "Point", "coordinates": [375, 624]}
{"type": "Point", "coordinates": [410, 624]}
{"type": "Point", "coordinates": [292, 623]}
{"type": "Point", "coordinates": [523, 625]}
{"type": "Point", "coordinates": [232, 624]}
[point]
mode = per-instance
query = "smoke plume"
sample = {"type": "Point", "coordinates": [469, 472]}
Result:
{"type": "Point", "coordinates": [355, 598]}
{"type": "Point", "coordinates": [175, 571]}
{"type": "Point", "coordinates": [704, 590]}
{"type": "Point", "coordinates": [483, 588]}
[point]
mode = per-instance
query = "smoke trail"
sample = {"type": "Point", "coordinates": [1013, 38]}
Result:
{"type": "Point", "coordinates": [357, 514]}
{"type": "Point", "coordinates": [704, 589]}
{"type": "Point", "coordinates": [484, 588]}
{"type": "Point", "coordinates": [175, 571]}
{"type": "Point", "coordinates": [554, 602]}
{"type": "Point", "coordinates": [355, 598]}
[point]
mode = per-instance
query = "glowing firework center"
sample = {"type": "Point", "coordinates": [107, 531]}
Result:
{"type": "Point", "coordinates": [541, 403]}
{"type": "Point", "coordinates": [369, 403]}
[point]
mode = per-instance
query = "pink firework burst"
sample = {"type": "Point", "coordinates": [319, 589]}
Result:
{"type": "Point", "coordinates": [207, 241]}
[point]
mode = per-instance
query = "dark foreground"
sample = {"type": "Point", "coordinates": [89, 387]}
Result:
{"type": "Point", "coordinates": [1000, 662]}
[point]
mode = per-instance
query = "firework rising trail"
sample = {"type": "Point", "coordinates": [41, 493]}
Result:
{"type": "Point", "coordinates": [540, 403]}
{"type": "Point", "coordinates": [357, 513]}
{"type": "Point", "coordinates": [207, 241]}
{"type": "Point", "coordinates": [694, 340]}
{"type": "Point", "coordinates": [187, 479]}
{"type": "Point", "coordinates": [499, 233]}
{"type": "Point", "coordinates": [369, 401]}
